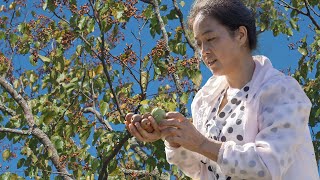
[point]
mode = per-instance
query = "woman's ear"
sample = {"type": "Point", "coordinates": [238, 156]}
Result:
{"type": "Point", "coordinates": [242, 36]}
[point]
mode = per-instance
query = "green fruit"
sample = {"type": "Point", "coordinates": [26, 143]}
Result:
{"type": "Point", "coordinates": [158, 114]}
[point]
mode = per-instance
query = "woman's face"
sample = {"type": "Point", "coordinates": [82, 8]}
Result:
{"type": "Point", "coordinates": [219, 50]}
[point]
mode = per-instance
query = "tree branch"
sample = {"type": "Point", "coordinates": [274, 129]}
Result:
{"type": "Point", "coordinates": [15, 131]}
{"type": "Point", "coordinates": [314, 22]}
{"type": "Point", "coordinates": [310, 16]}
{"type": "Point", "coordinates": [168, 57]}
{"type": "Point", "coordinates": [285, 4]}
{"type": "Point", "coordinates": [310, 7]}
{"type": "Point", "coordinates": [60, 173]}
{"type": "Point", "coordinates": [154, 173]}
{"type": "Point", "coordinates": [180, 15]}
{"type": "Point", "coordinates": [38, 133]}
{"type": "Point", "coordinates": [4, 108]}
{"type": "Point", "coordinates": [20, 100]}
{"type": "Point", "coordinates": [99, 116]}
{"type": "Point", "coordinates": [141, 63]}
{"type": "Point", "coordinates": [135, 146]}
{"type": "Point", "coordinates": [103, 172]}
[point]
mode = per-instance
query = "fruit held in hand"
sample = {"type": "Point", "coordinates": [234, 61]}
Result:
{"type": "Point", "coordinates": [158, 114]}
{"type": "Point", "coordinates": [146, 125]}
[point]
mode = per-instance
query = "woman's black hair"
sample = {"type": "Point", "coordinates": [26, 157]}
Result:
{"type": "Point", "coordinates": [230, 13]}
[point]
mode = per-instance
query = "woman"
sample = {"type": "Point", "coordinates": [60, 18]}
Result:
{"type": "Point", "coordinates": [249, 120]}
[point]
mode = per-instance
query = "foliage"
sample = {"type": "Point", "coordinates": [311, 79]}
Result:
{"type": "Point", "coordinates": [75, 68]}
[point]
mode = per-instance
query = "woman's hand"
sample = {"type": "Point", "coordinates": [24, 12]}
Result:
{"type": "Point", "coordinates": [134, 127]}
{"type": "Point", "coordinates": [177, 129]}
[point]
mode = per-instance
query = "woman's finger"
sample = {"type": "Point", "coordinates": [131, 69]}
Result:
{"type": "Point", "coordinates": [175, 115]}
{"type": "Point", "coordinates": [127, 125]}
{"type": "Point", "coordinates": [144, 133]}
{"type": "Point", "coordinates": [154, 124]}
{"type": "Point", "coordinates": [169, 131]}
{"type": "Point", "coordinates": [169, 123]}
{"type": "Point", "coordinates": [135, 132]}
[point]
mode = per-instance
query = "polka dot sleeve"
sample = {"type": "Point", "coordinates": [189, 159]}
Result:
{"type": "Point", "coordinates": [282, 126]}
{"type": "Point", "coordinates": [186, 160]}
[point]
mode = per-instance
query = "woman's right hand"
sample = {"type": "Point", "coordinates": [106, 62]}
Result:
{"type": "Point", "coordinates": [134, 127]}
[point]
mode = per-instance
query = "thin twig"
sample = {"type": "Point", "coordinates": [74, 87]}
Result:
{"type": "Point", "coordinates": [99, 116]}
{"type": "Point", "coordinates": [141, 62]}
{"type": "Point", "coordinates": [61, 173]}
{"type": "Point", "coordinates": [310, 16]}
{"type": "Point", "coordinates": [168, 57]}
{"type": "Point", "coordinates": [7, 110]}
{"type": "Point", "coordinates": [15, 131]}
{"type": "Point", "coordinates": [314, 22]}
{"type": "Point", "coordinates": [154, 173]}
{"type": "Point", "coordinates": [312, 9]}
{"type": "Point", "coordinates": [183, 26]}
{"type": "Point", "coordinates": [285, 4]}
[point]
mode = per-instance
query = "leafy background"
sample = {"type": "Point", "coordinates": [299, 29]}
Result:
{"type": "Point", "coordinates": [71, 70]}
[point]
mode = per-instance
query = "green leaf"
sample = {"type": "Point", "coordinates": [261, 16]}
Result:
{"type": "Point", "coordinates": [262, 27]}
{"type": "Point", "coordinates": [84, 136]}
{"type": "Point", "coordinates": [172, 15]}
{"type": "Point", "coordinates": [197, 78]}
{"type": "Point", "coordinates": [2, 35]}
{"type": "Point", "coordinates": [68, 131]}
{"type": "Point", "coordinates": [318, 113]}
{"type": "Point", "coordinates": [82, 22]}
{"type": "Point", "coordinates": [95, 164]}
{"type": "Point", "coordinates": [96, 135]}
{"type": "Point", "coordinates": [44, 59]}
{"type": "Point", "coordinates": [13, 39]}
{"type": "Point", "coordinates": [58, 143]}
{"type": "Point", "coordinates": [6, 154]}
{"type": "Point", "coordinates": [45, 5]}
{"type": "Point", "coordinates": [290, 32]}
{"type": "Point", "coordinates": [182, 3]}
{"type": "Point", "coordinates": [303, 51]}
{"type": "Point", "coordinates": [20, 163]}
{"type": "Point", "coordinates": [5, 176]}
{"type": "Point", "coordinates": [293, 24]}
{"type": "Point", "coordinates": [91, 24]}
{"type": "Point", "coordinates": [181, 48]}
{"type": "Point", "coordinates": [144, 79]}
{"type": "Point", "coordinates": [2, 135]}
{"type": "Point", "coordinates": [184, 98]}
{"type": "Point", "coordinates": [21, 27]}
{"type": "Point", "coordinates": [103, 108]}
{"type": "Point", "coordinates": [163, 8]}
{"type": "Point", "coordinates": [34, 158]}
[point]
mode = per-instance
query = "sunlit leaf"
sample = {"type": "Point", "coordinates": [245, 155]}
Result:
{"type": "Point", "coordinates": [44, 59]}
{"type": "Point", "coordinates": [184, 98]}
{"type": "Point", "coordinates": [303, 51]}
{"type": "Point", "coordinates": [182, 3]}
{"type": "Point", "coordinates": [103, 107]}
{"type": "Point", "coordinates": [6, 154]}
{"type": "Point", "coordinates": [20, 163]}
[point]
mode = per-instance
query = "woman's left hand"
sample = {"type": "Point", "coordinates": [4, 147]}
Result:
{"type": "Point", "coordinates": [178, 129]}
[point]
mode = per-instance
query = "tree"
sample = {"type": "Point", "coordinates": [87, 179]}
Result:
{"type": "Point", "coordinates": [71, 70]}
